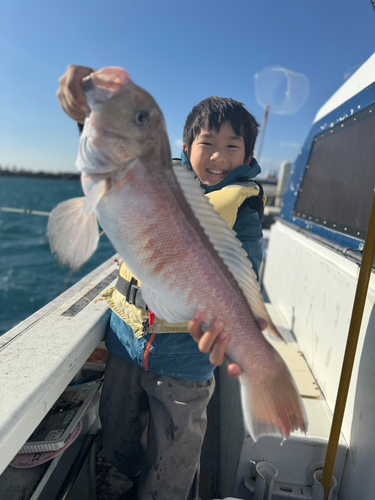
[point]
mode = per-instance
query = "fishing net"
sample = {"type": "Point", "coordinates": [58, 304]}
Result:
{"type": "Point", "coordinates": [281, 90]}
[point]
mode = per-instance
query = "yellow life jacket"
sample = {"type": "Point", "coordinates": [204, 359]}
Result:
{"type": "Point", "coordinates": [122, 298]}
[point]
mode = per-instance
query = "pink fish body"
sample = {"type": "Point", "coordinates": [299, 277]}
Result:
{"type": "Point", "coordinates": [171, 238]}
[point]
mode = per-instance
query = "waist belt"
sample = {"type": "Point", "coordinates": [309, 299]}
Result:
{"type": "Point", "coordinates": [132, 292]}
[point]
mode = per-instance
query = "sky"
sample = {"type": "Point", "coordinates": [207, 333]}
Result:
{"type": "Point", "coordinates": [179, 51]}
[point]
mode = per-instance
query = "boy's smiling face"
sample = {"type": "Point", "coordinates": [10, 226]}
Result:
{"type": "Point", "coordinates": [214, 154]}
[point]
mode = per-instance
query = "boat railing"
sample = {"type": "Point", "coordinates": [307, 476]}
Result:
{"type": "Point", "coordinates": [40, 356]}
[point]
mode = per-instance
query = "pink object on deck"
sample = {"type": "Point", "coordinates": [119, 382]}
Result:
{"type": "Point", "coordinates": [28, 460]}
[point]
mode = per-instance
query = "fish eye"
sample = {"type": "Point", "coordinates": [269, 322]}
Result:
{"type": "Point", "coordinates": [141, 117]}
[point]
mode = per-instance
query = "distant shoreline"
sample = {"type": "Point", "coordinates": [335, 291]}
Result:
{"type": "Point", "coordinates": [71, 176]}
{"type": "Point", "coordinates": [40, 175]}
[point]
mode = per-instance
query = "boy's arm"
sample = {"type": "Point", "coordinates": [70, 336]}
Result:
{"type": "Point", "coordinates": [70, 93]}
{"type": "Point", "coordinates": [248, 228]}
{"type": "Point", "coordinates": [214, 340]}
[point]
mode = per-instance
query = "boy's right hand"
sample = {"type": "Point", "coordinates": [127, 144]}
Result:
{"type": "Point", "coordinates": [214, 340]}
{"type": "Point", "coordinates": [70, 93]}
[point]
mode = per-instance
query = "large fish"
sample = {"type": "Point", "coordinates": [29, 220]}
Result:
{"type": "Point", "coordinates": [171, 238]}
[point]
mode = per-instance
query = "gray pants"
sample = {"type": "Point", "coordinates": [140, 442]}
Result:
{"type": "Point", "coordinates": [154, 426]}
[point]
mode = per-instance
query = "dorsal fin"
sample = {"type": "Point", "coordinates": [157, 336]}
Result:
{"type": "Point", "coordinates": [225, 242]}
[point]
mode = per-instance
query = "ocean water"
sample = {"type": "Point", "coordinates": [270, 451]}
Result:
{"type": "Point", "coordinates": [30, 275]}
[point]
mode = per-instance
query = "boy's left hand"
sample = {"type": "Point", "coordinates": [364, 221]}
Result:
{"type": "Point", "coordinates": [214, 340]}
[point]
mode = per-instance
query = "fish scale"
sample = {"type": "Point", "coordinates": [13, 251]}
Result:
{"type": "Point", "coordinates": [174, 250]}
{"type": "Point", "coordinates": [170, 237]}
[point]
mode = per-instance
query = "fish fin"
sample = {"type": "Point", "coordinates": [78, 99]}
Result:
{"type": "Point", "coordinates": [227, 245]}
{"type": "Point", "coordinates": [272, 406]}
{"type": "Point", "coordinates": [273, 336]}
{"type": "Point", "coordinates": [270, 328]}
{"type": "Point", "coordinates": [73, 234]}
{"type": "Point", "coordinates": [95, 193]}
{"type": "Point", "coordinates": [160, 309]}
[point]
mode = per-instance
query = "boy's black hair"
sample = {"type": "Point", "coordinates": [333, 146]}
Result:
{"type": "Point", "coordinates": [213, 112]}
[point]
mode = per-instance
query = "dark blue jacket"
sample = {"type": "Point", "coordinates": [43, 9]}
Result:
{"type": "Point", "coordinates": [177, 354]}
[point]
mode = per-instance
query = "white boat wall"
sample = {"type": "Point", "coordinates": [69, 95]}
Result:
{"type": "Point", "coordinates": [310, 279]}
{"type": "Point", "coordinates": [310, 276]}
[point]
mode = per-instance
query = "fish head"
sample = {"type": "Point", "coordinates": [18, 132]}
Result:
{"type": "Point", "coordinates": [124, 124]}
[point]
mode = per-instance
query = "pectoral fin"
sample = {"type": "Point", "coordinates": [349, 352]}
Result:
{"type": "Point", "coordinates": [73, 233]}
{"type": "Point", "coordinates": [94, 194]}
{"type": "Point", "coordinates": [162, 310]}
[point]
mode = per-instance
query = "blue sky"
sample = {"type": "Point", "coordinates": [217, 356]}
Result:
{"type": "Point", "coordinates": [181, 52]}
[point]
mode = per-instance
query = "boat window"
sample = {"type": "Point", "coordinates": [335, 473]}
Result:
{"type": "Point", "coordinates": [338, 186]}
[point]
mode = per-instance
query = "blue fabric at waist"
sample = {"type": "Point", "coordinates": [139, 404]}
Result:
{"type": "Point", "coordinates": [173, 354]}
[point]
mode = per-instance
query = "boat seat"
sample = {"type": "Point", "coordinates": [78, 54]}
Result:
{"type": "Point", "coordinates": [293, 357]}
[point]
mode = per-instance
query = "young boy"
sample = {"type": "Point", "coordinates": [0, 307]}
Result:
{"type": "Point", "coordinates": [158, 381]}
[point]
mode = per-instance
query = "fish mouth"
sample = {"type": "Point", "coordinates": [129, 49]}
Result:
{"type": "Point", "coordinates": [92, 160]}
{"type": "Point", "coordinates": [102, 85]}
{"type": "Point", "coordinates": [94, 128]}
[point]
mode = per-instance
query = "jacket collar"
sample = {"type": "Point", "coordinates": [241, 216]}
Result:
{"type": "Point", "coordinates": [240, 174]}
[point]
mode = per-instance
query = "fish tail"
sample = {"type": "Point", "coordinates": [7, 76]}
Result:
{"type": "Point", "coordinates": [272, 406]}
